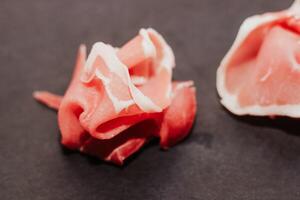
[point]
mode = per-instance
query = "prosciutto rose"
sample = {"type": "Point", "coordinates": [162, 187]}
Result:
{"type": "Point", "coordinates": [120, 98]}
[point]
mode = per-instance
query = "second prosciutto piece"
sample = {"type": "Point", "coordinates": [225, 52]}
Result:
{"type": "Point", "coordinates": [260, 75]}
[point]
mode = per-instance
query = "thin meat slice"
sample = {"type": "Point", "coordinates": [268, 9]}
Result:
{"type": "Point", "coordinates": [171, 126]}
{"type": "Point", "coordinates": [105, 74]}
{"type": "Point", "coordinates": [51, 100]}
{"type": "Point", "coordinates": [119, 148]}
{"type": "Point", "coordinates": [72, 106]}
{"type": "Point", "coordinates": [138, 50]}
{"type": "Point", "coordinates": [120, 98]}
{"type": "Point", "coordinates": [179, 117]}
{"type": "Point", "coordinates": [260, 74]}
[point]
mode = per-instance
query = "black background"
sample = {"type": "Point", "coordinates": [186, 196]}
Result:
{"type": "Point", "coordinates": [226, 157]}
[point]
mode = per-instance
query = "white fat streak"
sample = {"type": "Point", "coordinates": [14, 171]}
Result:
{"type": "Point", "coordinates": [89, 62]}
{"type": "Point", "coordinates": [147, 44]}
{"type": "Point", "coordinates": [295, 8]}
{"type": "Point", "coordinates": [232, 105]}
{"type": "Point", "coordinates": [138, 80]}
{"type": "Point", "coordinates": [169, 91]}
{"type": "Point", "coordinates": [118, 104]}
{"type": "Point", "coordinates": [103, 78]}
{"type": "Point", "coordinates": [186, 84]}
{"type": "Point", "coordinates": [230, 101]}
{"type": "Point", "coordinates": [117, 49]}
{"type": "Point", "coordinates": [168, 59]}
{"type": "Point", "coordinates": [182, 85]}
{"type": "Point", "coordinates": [295, 12]}
{"type": "Point", "coordinates": [267, 75]}
{"type": "Point", "coordinates": [110, 58]}
{"type": "Point", "coordinates": [295, 64]}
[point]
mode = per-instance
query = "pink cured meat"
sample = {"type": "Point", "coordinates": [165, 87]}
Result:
{"type": "Point", "coordinates": [119, 99]}
{"type": "Point", "coordinates": [260, 73]}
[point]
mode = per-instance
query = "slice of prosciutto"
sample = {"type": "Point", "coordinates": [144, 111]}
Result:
{"type": "Point", "coordinates": [260, 75]}
{"type": "Point", "coordinates": [120, 98]}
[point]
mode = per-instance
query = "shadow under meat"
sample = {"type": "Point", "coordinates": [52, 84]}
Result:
{"type": "Point", "coordinates": [289, 125]}
{"type": "Point", "coordinates": [154, 142]}
{"type": "Point", "coordinates": [201, 138]}
{"type": "Point", "coordinates": [94, 160]}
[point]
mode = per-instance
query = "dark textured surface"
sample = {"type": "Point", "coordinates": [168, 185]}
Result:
{"type": "Point", "coordinates": [225, 158]}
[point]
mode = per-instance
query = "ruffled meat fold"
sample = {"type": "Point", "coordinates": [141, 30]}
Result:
{"type": "Point", "coordinates": [120, 98]}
